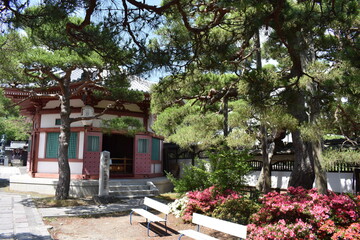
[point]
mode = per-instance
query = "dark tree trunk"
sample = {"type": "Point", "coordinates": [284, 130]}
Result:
{"type": "Point", "coordinates": [63, 186]}
{"type": "Point", "coordinates": [303, 172]}
{"type": "Point", "coordinates": [226, 116]}
{"type": "Point", "coordinates": [320, 173]}
{"type": "Point", "coordinates": [264, 181]}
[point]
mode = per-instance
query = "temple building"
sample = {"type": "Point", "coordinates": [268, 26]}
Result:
{"type": "Point", "coordinates": [133, 156]}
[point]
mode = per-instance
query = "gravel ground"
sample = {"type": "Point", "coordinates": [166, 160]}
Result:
{"type": "Point", "coordinates": [117, 227]}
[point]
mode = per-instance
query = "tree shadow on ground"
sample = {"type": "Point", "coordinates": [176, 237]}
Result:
{"type": "Point", "coordinates": [159, 229]}
{"type": "Point", "coordinates": [23, 236]}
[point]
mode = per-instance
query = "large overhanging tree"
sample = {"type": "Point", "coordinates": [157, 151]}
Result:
{"type": "Point", "coordinates": [44, 57]}
{"type": "Point", "coordinates": [311, 40]}
{"type": "Point", "coordinates": [303, 37]}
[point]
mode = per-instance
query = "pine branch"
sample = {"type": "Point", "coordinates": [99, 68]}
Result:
{"type": "Point", "coordinates": [109, 106]}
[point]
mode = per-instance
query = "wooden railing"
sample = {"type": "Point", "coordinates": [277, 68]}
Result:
{"type": "Point", "coordinates": [121, 165]}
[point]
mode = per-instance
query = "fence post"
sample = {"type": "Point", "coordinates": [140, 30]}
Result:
{"type": "Point", "coordinates": [104, 173]}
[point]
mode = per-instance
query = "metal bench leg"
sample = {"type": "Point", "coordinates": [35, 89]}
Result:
{"type": "Point", "coordinates": [166, 216]}
{"type": "Point", "coordinates": [148, 228]}
{"type": "Point", "coordinates": [131, 213]}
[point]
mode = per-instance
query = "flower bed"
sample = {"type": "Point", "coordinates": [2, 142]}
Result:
{"type": "Point", "coordinates": [305, 214]}
{"type": "Point", "coordinates": [203, 202]}
{"type": "Point", "coordinates": [296, 214]}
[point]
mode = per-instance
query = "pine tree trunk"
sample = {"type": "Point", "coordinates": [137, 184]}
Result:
{"type": "Point", "coordinates": [264, 182]}
{"type": "Point", "coordinates": [320, 173]}
{"type": "Point", "coordinates": [303, 173]}
{"type": "Point", "coordinates": [226, 116]}
{"type": "Point", "coordinates": [63, 186]}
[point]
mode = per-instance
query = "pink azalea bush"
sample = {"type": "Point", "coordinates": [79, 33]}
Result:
{"type": "Point", "coordinates": [305, 214]}
{"type": "Point", "coordinates": [206, 201]}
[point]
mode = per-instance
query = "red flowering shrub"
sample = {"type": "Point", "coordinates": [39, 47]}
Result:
{"type": "Point", "coordinates": [303, 214]}
{"type": "Point", "coordinates": [350, 233]}
{"type": "Point", "coordinates": [206, 201]}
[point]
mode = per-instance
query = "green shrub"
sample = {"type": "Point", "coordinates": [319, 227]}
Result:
{"type": "Point", "coordinates": [194, 178]}
{"type": "Point", "coordinates": [236, 210]}
{"type": "Point", "coordinates": [228, 168]}
{"type": "Point", "coordinates": [225, 170]}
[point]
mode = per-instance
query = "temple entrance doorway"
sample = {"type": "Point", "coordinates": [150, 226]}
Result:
{"type": "Point", "coordinates": [121, 150]}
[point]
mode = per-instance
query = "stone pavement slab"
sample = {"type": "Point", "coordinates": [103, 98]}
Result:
{"type": "Point", "coordinates": [92, 209]}
{"type": "Point", "coordinates": [20, 219]}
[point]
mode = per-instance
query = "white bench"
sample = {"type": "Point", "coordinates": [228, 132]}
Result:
{"type": "Point", "coordinates": [150, 217]}
{"type": "Point", "coordinates": [233, 229]}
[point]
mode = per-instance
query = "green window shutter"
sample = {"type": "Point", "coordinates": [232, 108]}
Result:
{"type": "Point", "coordinates": [142, 145]}
{"type": "Point", "coordinates": [155, 149]}
{"type": "Point", "coordinates": [72, 145]}
{"type": "Point", "coordinates": [93, 143]}
{"type": "Point", "coordinates": [52, 144]}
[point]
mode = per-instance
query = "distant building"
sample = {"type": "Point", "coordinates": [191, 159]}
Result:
{"type": "Point", "coordinates": [17, 152]}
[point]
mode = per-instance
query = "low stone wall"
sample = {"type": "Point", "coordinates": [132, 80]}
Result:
{"type": "Point", "coordinates": [78, 188]}
{"type": "Point", "coordinates": [337, 182]}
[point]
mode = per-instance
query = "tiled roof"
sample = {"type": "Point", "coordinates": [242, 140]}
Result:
{"type": "Point", "coordinates": [140, 84]}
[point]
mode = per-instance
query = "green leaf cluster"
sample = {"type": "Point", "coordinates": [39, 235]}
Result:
{"type": "Point", "coordinates": [129, 125]}
{"type": "Point", "coordinates": [331, 157]}
{"type": "Point", "coordinates": [13, 126]}
{"type": "Point", "coordinates": [225, 169]}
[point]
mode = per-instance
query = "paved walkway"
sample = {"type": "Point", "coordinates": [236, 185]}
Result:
{"type": "Point", "coordinates": [126, 205]}
{"type": "Point", "coordinates": [20, 219]}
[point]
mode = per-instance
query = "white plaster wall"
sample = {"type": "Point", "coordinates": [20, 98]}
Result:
{"type": "Point", "coordinates": [337, 182]}
{"type": "Point", "coordinates": [42, 141]}
{"type": "Point", "coordinates": [151, 121]}
{"type": "Point", "coordinates": [52, 167]}
{"type": "Point", "coordinates": [78, 123]}
{"type": "Point", "coordinates": [156, 168]}
{"type": "Point", "coordinates": [81, 145]}
{"type": "Point", "coordinates": [278, 179]}
{"type": "Point", "coordinates": [48, 120]}
{"type": "Point", "coordinates": [340, 182]}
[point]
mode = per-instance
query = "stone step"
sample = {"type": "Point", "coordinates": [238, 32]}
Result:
{"type": "Point", "coordinates": [133, 193]}
{"type": "Point", "coordinates": [128, 187]}
{"type": "Point", "coordinates": [133, 189]}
